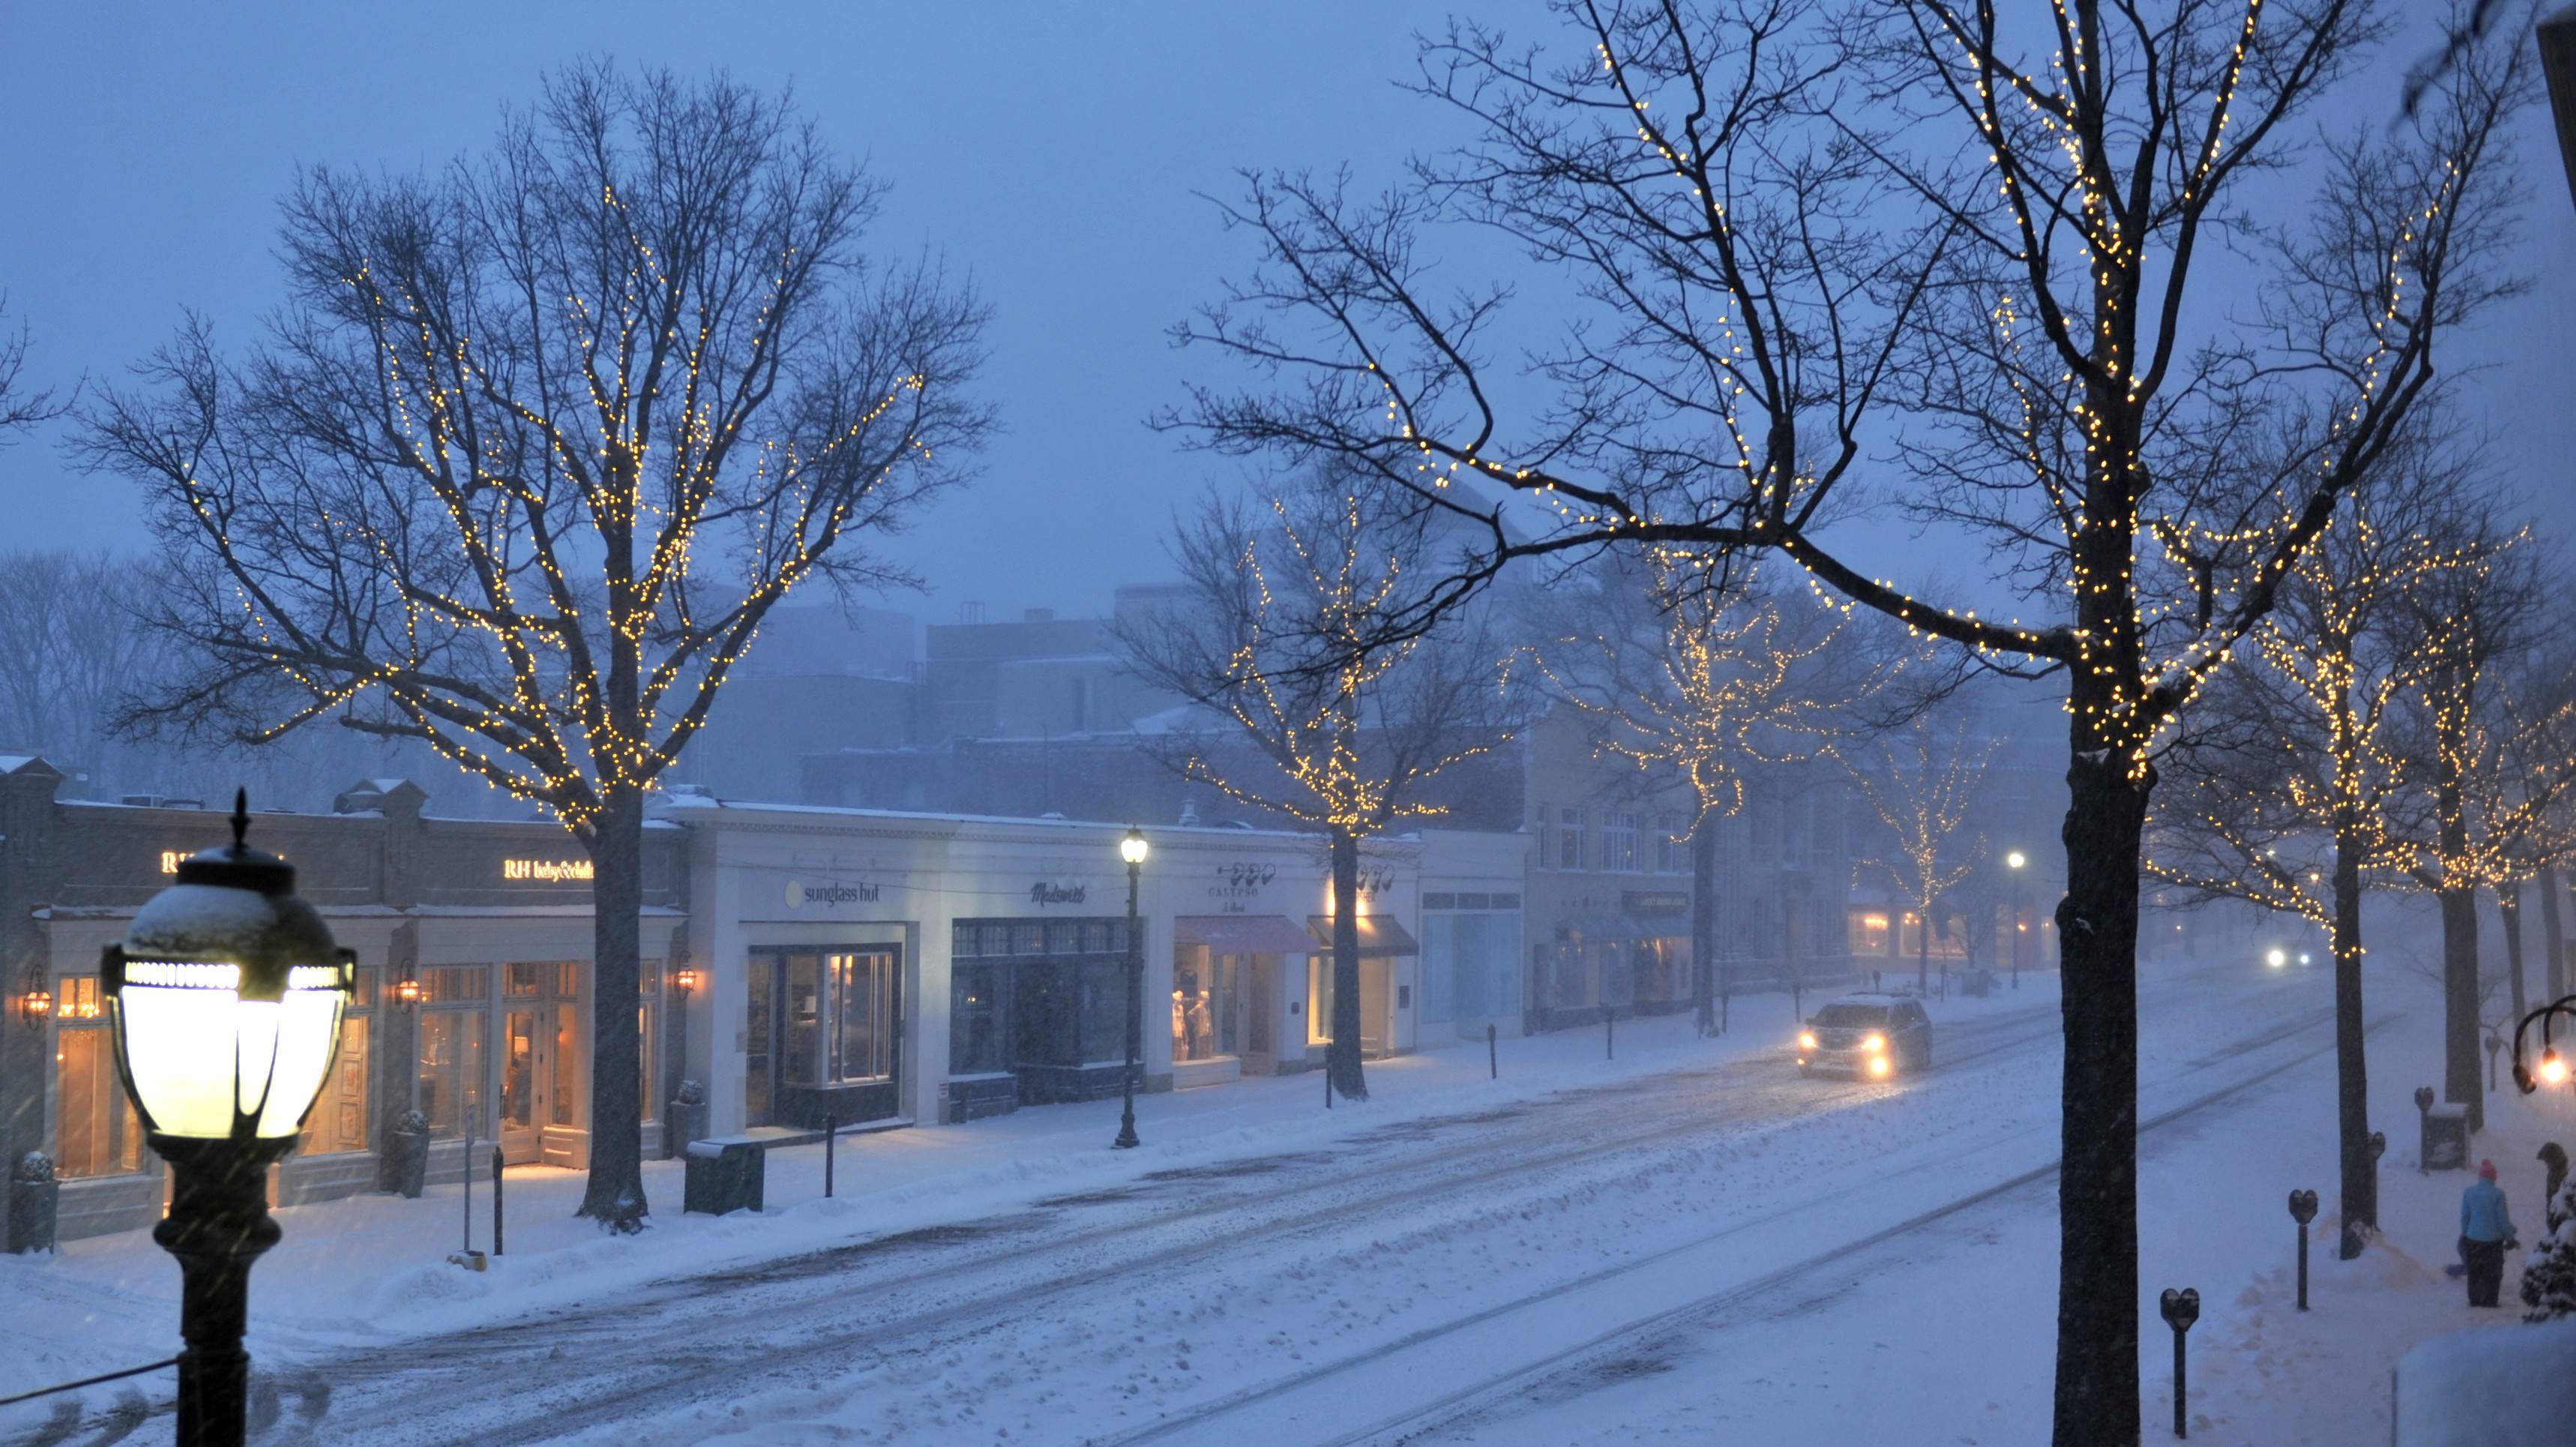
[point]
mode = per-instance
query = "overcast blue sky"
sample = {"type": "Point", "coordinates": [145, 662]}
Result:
{"type": "Point", "coordinates": [1051, 149]}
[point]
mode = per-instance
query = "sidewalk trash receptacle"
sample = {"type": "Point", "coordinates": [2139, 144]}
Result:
{"type": "Point", "coordinates": [686, 1120]}
{"type": "Point", "coordinates": [34, 1192]}
{"type": "Point", "coordinates": [723, 1176]}
{"type": "Point", "coordinates": [2446, 1138]}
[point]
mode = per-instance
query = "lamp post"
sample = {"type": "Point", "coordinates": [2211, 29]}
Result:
{"type": "Point", "coordinates": [1132, 848]}
{"type": "Point", "coordinates": [224, 1003]}
{"type": "Point", "coordinates": [2014, 861]}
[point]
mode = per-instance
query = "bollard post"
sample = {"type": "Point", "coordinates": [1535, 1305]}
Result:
{"type": "Point", "coordinates": [1328, 1079]}
{"type": "Point", "coordinates": [496, 1199]}
{"type": "Point", "coordinates": [831, 1137]}
{"type": "Point", "coordinates": [2424, 1127]}
{"type": "Point", "coordinates": [2303, 1209]}
{"type": "Point", "coordinates": [469, 1191]}
{"type": "Point", "coordinates": [1609, 1041]}
{"type": "Point", "coordinates": [1493, 1060]}
{"type": "Point", "coordinates": [2180, 1309]}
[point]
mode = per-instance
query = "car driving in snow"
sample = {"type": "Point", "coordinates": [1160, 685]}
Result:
{"type": "Point", "coordinates": [1872, 1036]}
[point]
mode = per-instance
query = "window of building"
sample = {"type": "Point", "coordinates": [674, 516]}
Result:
{"type": "Point", "coordinates": [1619, 840]}
{"type": "Point", "coordinates": [839, 1016]}
{"type": "Point", "coordinates": [454, 1015]}
{"type": "Point", "coordinates": [1672, 843]}
{"type": "Point", "coordinates": [1569, 836]}
{"type": "Point", "coordinates": [863, 997]}
{"type": "Point", "coordinates": [339, 1121]}
{"type": "Point", "coordinates": [1205, 998]}
{"type": "Point", "coordinates": [1319, 999]}
{"type": "Point", "coordinates": [979, 1018]}
{"type": "Point", "coordinates": [96, 1132]}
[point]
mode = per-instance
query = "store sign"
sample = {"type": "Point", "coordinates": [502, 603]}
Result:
{"type": "Point", "coordinates": [1376, 881]}
{"type": "Point", "coordinates": [1645, 903]}
{"type": "Point", "coordinates": [800, 894]}
{"type": "Point", "coordinates": [1043, 893]}
{"type": "Point", "coordinates": [170, 861]}
{"type": "Point", "coordinates": [1236, 883]}
{"type": "Point", "coordinates": [547, 871]}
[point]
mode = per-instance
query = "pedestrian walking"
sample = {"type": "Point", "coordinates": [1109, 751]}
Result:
{"type": "Point", "coordinates": [2554, 1157]}
{"type": "Point", "coordinates": [2486, 1233]}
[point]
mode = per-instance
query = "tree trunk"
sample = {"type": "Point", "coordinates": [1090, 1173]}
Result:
{"type": "Point", "coordinates": [1704, 925]}
{"type": "Point", "coordinates": [615, 1194]}
{"type": "Point", "coordinates": [1923, 954]}
{"type": "Point", "coordinates": [2509, 914]}
{"type": "Point", "coordinates": [2553, 934]}
{"type": "Point", "coordinates": [1342, 1056]}
{"type": "Point", "coordinates": [2359, 1205]}
{"type": "Point", "coordinates": [2460, 1081]}
{"type": "Point", "coordinates": [2097, 1186]}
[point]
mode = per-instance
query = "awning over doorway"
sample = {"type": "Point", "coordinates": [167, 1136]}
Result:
{"type": "Point", "coordinates": [1379, 936]}
{"type": "Point", "coordinates": [1242, 934]}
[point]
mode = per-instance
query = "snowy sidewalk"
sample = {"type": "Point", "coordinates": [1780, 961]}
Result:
{"type": "Point", "coordinates": [374, 1266]}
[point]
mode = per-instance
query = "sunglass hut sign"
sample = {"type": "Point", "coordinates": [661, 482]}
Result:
{"type": "Point", "coordinates": [827, 894]}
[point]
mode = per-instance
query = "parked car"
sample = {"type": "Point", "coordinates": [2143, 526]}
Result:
{"type": "Point", "coordinates": [1872, 1036]}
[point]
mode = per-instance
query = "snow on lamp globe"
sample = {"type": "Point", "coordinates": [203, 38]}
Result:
{"type": "Point", "coordinates": [224, 1005]}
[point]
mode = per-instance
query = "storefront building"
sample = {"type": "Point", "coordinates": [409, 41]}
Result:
{"type": "Point", "coordinates": [888, 968]}
{"type": "Point", "coordinates": [488, 921]}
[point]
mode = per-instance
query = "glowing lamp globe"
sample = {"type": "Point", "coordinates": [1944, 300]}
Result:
{"type": "Point", "coordinates": [225, 1001]}
{"type": "Point", "coordinates": [1132, 848]}
{"type": "Point", "coordinates": [2015, 860]}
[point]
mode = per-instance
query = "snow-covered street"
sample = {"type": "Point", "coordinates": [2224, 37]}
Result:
{"type": "Point", "coordinates": [1691, 1242]}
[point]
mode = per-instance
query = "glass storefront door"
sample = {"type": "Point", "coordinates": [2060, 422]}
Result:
{"type": "Point", "coordinates": [539, 1056]}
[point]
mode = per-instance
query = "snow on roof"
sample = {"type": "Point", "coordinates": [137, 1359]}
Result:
{"type": "Point", "coordinates": [828, 811]}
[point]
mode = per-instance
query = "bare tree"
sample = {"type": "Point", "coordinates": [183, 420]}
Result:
{"type": "Point", "coordinates": [1340, 739]}
{"type": "Point", "coordinates": [22, 405]}
{"type": "Point", "coordinates": [534, 446]}
{"type": "Point", "coordinates": [1922, 787]}
{"type": "Point", "coordinates": [2295, 795]}
{"type": "Point", "coordinates": [1702, 680]}
{"type": "Point", "coordinates": [1721, 182]}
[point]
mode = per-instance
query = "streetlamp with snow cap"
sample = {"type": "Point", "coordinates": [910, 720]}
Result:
{"type": "Point", "coordinates": [224, 1003]}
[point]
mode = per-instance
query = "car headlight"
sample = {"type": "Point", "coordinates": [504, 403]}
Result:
{"type": "Point", "coordinates": [1807, 1040]}
{"type": "Point", "coordinates": [1874, 1043]}
{"type": "Point", "coordinates": [1878, 1065]}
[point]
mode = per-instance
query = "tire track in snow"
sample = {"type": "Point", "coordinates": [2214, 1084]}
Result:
{"type": "Point", "coordinates": [1467, 1402]}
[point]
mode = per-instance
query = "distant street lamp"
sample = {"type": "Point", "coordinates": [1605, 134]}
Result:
{"type": "Point", "coordinates": [2014, 861]}
{"type": "Point", "coordinates": [1133, 849]}
{"type": "Point", "coordinates": [224, 1004]}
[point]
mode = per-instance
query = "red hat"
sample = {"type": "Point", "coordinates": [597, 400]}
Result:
{"type": "Point", "coordinates": [2486, 1170]}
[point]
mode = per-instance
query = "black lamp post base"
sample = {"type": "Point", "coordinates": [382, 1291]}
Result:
{"type": "Point", "coordinates": [217, 1227]}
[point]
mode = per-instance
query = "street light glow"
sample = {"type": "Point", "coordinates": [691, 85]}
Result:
{"type": "Point", "coordinates": [2015, 860]}
{"type": "Point", "coordinates": [2277, 959]}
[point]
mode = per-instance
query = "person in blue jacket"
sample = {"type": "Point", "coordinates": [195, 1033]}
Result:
{"type": "Point", "coordinates": [2486, 1233]}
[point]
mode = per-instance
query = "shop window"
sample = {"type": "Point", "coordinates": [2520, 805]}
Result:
{"type": "Point", "coordinates": [454, 984]}
{"type": "Point", "coordinates": [1064, 937]}
{"type": "Point", "coordinates": [1104, 1011]}
{"type": "Point", "coordinates": [1319, 999]}
{"type": "Point", "coordinates": [863, 1000]}
{"type": "Point", "coordinates": [1869, 933]}
{"type": "Point", "coordinates": [95, 1129]}
{"type": "Point", "coordinates": [339, 1121]}
{"type": "Point", "coordinates": [565, 1064]}
{"type": "Point", "coordinates": [805, 1039]}
{"type": "Point", "coordinates": [964, 941]}
{"type": "Point", "coordinates": [1028, 938]}
{"type": "Point", "coordinates": [1204, 1004]}
{"type": "Point", "coordinates": [979, 1019]}
{"type": "Point", "coordinates": [450, 1079]}
{"type": "Point", "coordinates": [650, 1085]}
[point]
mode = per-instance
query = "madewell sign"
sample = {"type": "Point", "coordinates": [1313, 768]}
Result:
{"type": "Point", "coordinates": [546, 871]}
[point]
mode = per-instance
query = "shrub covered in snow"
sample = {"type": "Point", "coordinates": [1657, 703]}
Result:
{"type": "Point", "coordinates": [2549, 1276]}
